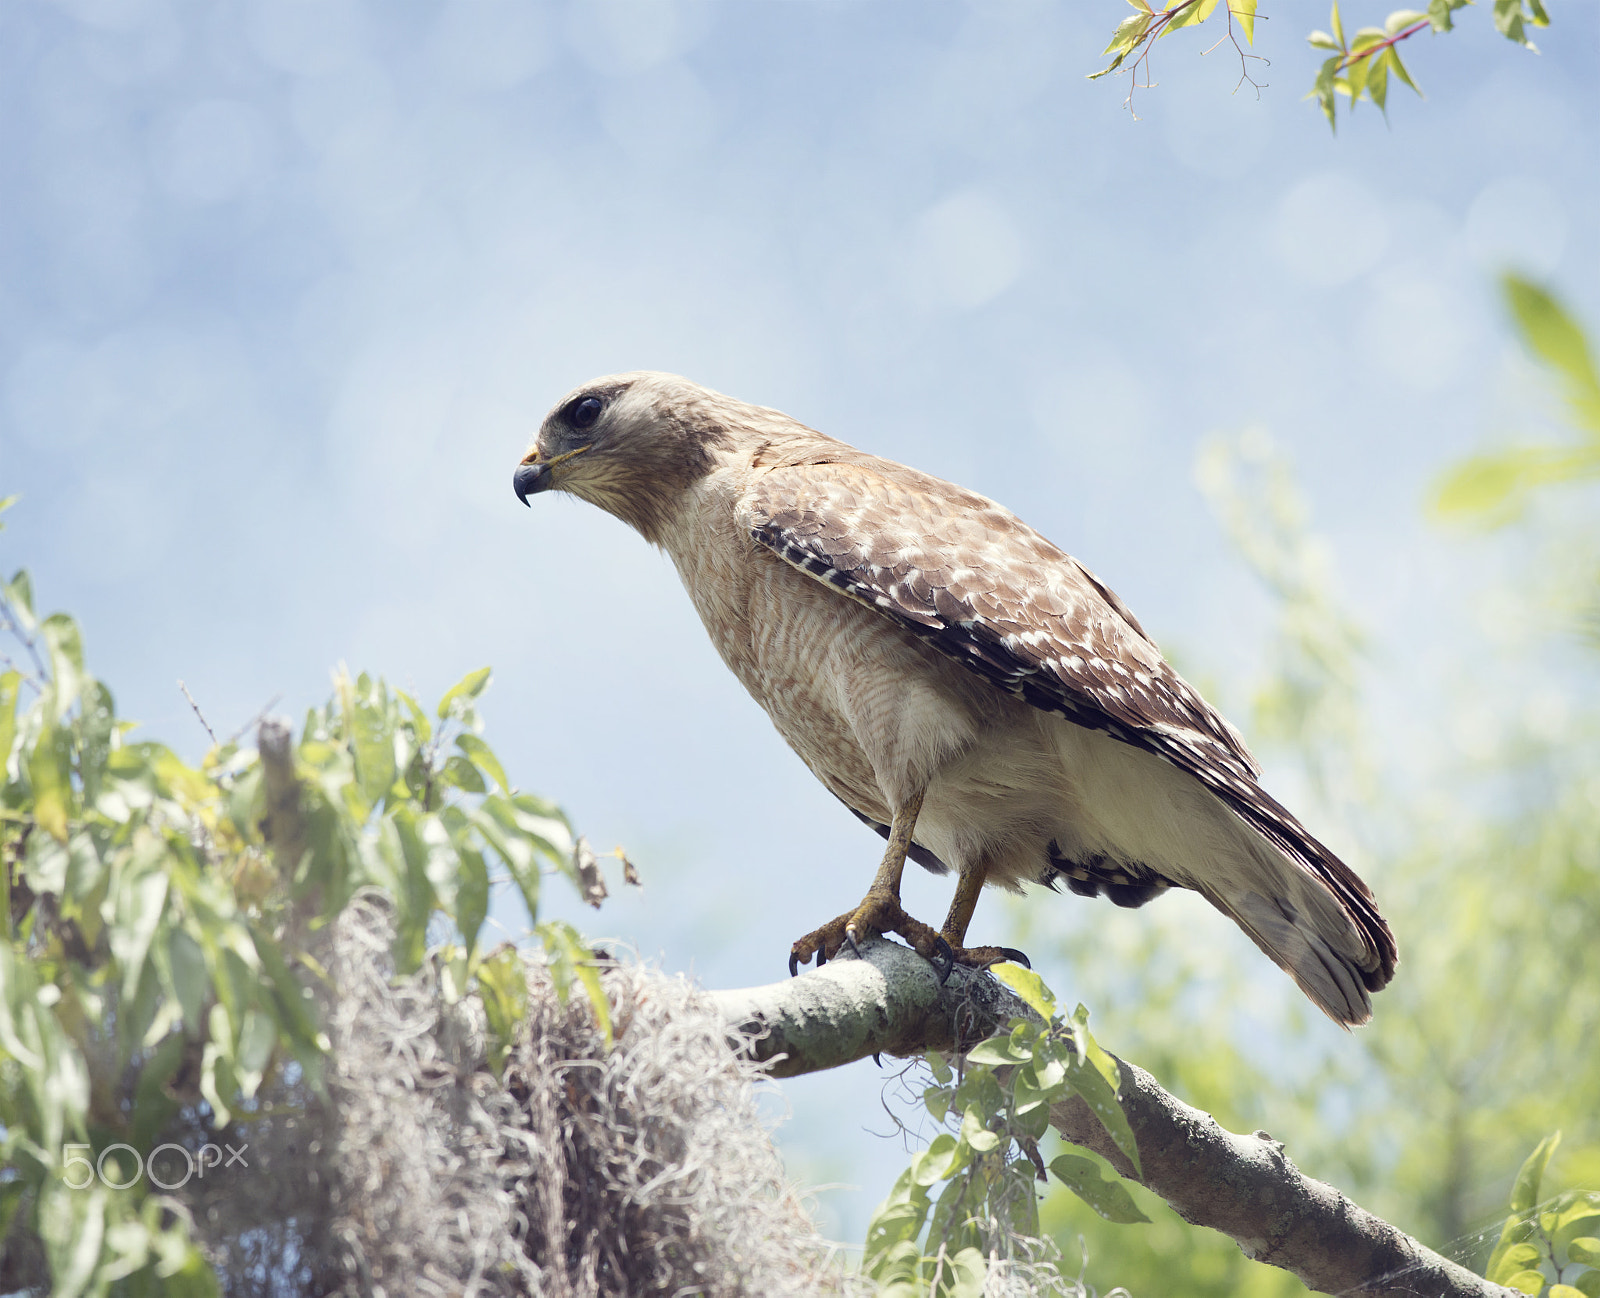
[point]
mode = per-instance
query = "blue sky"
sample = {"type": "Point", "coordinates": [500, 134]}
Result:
{"type": "Point", "coordinates": [286, 286]}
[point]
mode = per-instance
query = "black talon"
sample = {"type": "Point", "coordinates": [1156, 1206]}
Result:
{"type": "Point", "coordinates": [943, 948]}
{"type": "Point", "coordinates": [876, 1059]}
{"type": "Point", "coordinates": [794, 965]}
{"type": "Point", "coordinates": [822, 956]}
{"type": "Point", "coordinates": [1016, 957]}
{"type": "Point", "coordinates": [851, 939]}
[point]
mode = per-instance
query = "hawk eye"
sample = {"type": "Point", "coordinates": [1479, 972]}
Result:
{"type": "Point", "coordinates": [583, 412]}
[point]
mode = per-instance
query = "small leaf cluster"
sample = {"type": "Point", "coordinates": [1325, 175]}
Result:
{"type": "Point", "coordinates": [1550, 1248]}
{"type": "Point", "coordinates": [995, 1106]}
{"type": "Point", "coordinates": [1363, 64]}
{"type": "Point", "coordinates": [154, 914]}
{"type": "Point", "coordinates": [1494, 488]}
{"type": "Point", "coordinates": [1139, 30]}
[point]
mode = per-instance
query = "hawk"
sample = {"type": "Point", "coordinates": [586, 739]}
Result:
{"type": "Point", "coordinates": [965, 687]}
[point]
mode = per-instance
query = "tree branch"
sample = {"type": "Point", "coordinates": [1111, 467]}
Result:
{"type": "Point", "coordinates": [890, 1001]}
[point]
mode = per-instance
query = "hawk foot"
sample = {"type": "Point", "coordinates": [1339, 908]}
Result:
{"type": "Point", "coordinates": [882, 913]}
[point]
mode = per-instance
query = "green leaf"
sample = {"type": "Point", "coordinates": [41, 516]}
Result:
{"type": "Point", "coordinates": [1323, 90]}
{"type": "Point", "coordinates": [1563, 1291]}
{"type": "Point", "coordinates": [1193, 16]}
{"type": "Point", "coordinates": [1494, 488]}
{"type": "Point", "coordinates": [152, 1106]}
{"type": "Point", "coordinates": [483, 757]}
{"type": "Point", "coordinates": [1097, 1079]}
{"type": "Point", "coordinates": [10, 688]}
{"type": "Point", "coordinates": [64, 643]}
{"type": "Point", "coordinates": [1528, 1282]}
{"type": "Point", "coordinates": [1519, 1257]}
{"type": "Point", "coordinates": [1110, 1198]}
{"type": "Point", "coordinates": [1525, 1193]}
{"type": "Point", "coordinates": [18, 592]}
{"type": "Point", "coordinates": [1506, 1262]}
{"type": "Point", "coordinates": [467, 688]}
{"type": "Point", "coordinates": [1322, 41]}
{"type": "Point", "coordinates": [1245, 12]}
{"type": "Point", "coordinates": [50, 773]}
{"type": "Point", "coordinates": [1399, 70]}
{"type": "Point", "coordinates": [372, 739]}
{"type": "Point", "coordinates": [258, 1037]}
{"type": "Point", "coordinates": [472, 896]}
{"type": "Point", "coordinates": [1029, 986]}
{"type": "Point", "coordinates": [1585, 1249]}
{"type": "Point", "coordinates": [187, 962]}
{"type": "Point", "coordinates": [1355, 80]}
{"type": "Point", "coordinates": [1508, 22]}
{"type": "Point", "coordinates": [462, 774]}
{"type": "Point", "coordinates": [942, 1159]}
{"type": "Point", "coordinates": [967, 1273]}
{"type": "Point", "coordinates": [503, 989]}
{"type": "Point", "coordinates": [1338, 27]}
{"type": "Point", "coordinates": [1128, 34]}
{"type": "Point", "coordinates": [407, 856]}
{"type": "Point", "coordinates": [1013, 1047]}
{"type": "Point", "coordinates": [1588, 1284]}
{"type": "Point", "coordinates": [1402, 18]}
{"type": "Point", "coordinates": [1440, 11]}
{"type": "Point", "coordinates": [1558, 340]}
{"type": "Point", "coordinates": [975, 1132]}
{"type": "Point", "coordinates": [569, 959]}
{"type": "Point", "coordinates": [1378, 80]}
{"type": "Point", "coordinates": [516, 851]}
{"type": "Point", "coordinates": [1578, 1208]}
{"type": "Point", "coordinates": [72, 1226]}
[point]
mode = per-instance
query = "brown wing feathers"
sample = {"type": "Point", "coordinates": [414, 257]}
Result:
{"type": "Point", "coordinates": [989, 592]}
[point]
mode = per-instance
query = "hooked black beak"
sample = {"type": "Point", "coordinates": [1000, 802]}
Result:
{"type": "Point", "coordinates": [529, 479]}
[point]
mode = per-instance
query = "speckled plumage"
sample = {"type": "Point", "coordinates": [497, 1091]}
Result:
{"type": "Point", "coordinates": [908, 636]}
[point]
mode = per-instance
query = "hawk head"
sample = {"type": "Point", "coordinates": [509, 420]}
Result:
{"type": "Point", "coordinates": [631, 444]}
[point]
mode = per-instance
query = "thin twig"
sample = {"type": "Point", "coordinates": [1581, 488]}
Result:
{"type": "Point", "coordinates": [256, 720]}
{"type": "Point", "coordinates": [28, 642]}
{"type": "Point", "coordinates": [201, 715]}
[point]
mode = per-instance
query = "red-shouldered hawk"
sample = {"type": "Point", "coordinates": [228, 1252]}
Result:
{"type": "Point", "coordinates": [962, 685]}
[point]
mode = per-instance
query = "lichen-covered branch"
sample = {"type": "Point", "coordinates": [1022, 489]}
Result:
{"type": "Point", "coordinates": [890, 1001]}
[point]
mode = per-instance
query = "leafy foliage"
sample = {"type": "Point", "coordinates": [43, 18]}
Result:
{"type": "Point", "coordinates": [1548, 1248]}
{"type": "Point", "coordinates": [1363, 64]}
{"type": "Point", "coordinates": [1358, 66]}
{"type": "Point", "coordinates": [1136, 35]}
{"type": "Point", "coordinates": [995, 1105]}
{"type": "Point", "coordinates": [154, 916]}
{"type": "Point", "coordinates": [1494, 488]}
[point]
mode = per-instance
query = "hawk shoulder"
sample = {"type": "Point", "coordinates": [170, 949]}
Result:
{"type": "Point", "coordinates": [987, 590]}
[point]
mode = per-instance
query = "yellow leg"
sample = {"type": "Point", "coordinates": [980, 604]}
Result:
{"type": "Point", "coordinates": [963, 903]}
{"type": "Point", "coordinates": [880, 912]}
{"type": "Point", "coordinates": [894, 855]}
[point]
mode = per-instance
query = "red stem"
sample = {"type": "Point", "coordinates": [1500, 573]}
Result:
{"type": "Point", "coordinates": [1382, 45]}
